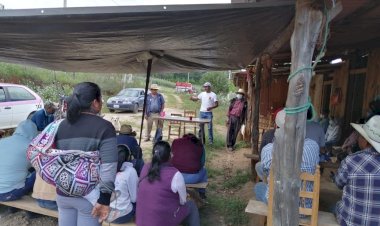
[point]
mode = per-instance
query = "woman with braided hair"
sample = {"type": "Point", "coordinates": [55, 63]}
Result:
{"type": "Point", "coordinates": [161, 196]}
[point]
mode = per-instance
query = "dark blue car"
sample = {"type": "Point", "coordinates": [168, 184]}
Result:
{"type": "Point", "coordinates": [130, 99]}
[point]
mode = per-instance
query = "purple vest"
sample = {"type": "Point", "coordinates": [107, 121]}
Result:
{"type": "Point", "coordinates": [156, 204]}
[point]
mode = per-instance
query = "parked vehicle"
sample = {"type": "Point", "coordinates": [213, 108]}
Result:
{"type": "Point", "coordinates": [129, 99]}
{"type": "Point", "coordinates": [17, 103]}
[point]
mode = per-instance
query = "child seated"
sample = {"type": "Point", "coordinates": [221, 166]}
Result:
{"type": "Point", "coordinates": [123, 200]}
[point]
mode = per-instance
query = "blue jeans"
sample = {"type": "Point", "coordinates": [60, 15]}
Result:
{"type": "Point", "coordinates": [127, 218]}
{"type": "Point", "coordinates": [47, 204]}
{"type": "Point", "coordinates": [260, 192]}
{"type": "Point", "coordinates": [193, 218]}
{"type": "Point", "coordinates": [75, 211]}
{"type": "Point", "coordinates": [194, 178]}
{"type": "Point", "coordinates": [18, 193]}
{"type": "Point", "coordinates": [260, 171]}
{"type": "Point", "coordinates": [206, 115]}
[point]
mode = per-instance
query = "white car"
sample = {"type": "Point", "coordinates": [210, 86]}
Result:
{"type": "Point", "coordinates": [17, 103]}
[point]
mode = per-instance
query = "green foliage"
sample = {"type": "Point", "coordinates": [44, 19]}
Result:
{"type": "Point", "coordinates": [218, 80]}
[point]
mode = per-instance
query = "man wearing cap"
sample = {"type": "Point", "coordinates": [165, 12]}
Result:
{"type": "Point", "coordinates": [45, 116]}
{"type": "Point", "coordinates": [359, 177]}
{"type": "Point", "coordinates": [235, 118]}
{"type": "Point", "coordinates": [209, 101]}
{"type": "Point", "coordinates": [310, 159]}
{"type": "Point", "coordinates": [155, 104]}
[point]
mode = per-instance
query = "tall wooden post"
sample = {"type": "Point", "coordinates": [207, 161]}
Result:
{"type": "Point", "coordinates": [288, 147]}
{"type": "Point", "coordinates": [255, 103]}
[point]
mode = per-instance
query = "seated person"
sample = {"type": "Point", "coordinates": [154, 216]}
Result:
{"type": "Point", "coordinates": [310, 159]}
{"type": "Point", "coordinates": [45, 116]}
{"type": "Point", "coordinates": [269, 134]}
{"type": "Point", "coordinates": [314, 130]}
{"type": "Point", "coordinates": [333, 133]}
{"type": "Point", "coordinates": [359, 177]}
{"type": "Point", "coordinates": [15, 179]}
{"type": "Point", "coordinates": [189, 158]}
{"type": "Point", "coordinates": [123, 200]}
{"type": "Point", "coordinates": [280, 116]}
{"type": "Point", "coordinates": [161, 193]}
{"type": "Point", "coordinates": [45, 194]}
{"type": "Point", "coordinates": [324, 120]}
{"type": "Point", "coordinates": [127, 136]}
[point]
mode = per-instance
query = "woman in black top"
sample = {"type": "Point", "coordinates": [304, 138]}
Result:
{"type": "Point", "coordinates": [84, 130]}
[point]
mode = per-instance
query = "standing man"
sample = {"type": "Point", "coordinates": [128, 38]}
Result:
{"type": "Point", "coordinates": [45, 116]}
{"type": "Point", "coordinates": [155, 104]}
{"type": "Point", "coordinates": [236, 117]}
{"type": "Point", "coordinates": [209, 101]}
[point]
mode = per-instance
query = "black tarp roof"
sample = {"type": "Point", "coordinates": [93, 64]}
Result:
{"type": "Point", "coordinates": [120, 39]}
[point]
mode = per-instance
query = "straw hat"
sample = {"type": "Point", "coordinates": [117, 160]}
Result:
{"type": "Point", "coordinates": [241, 91]}
{"type": "Point", "coordinates": [370, 131]}
{"type": "Point", "coordinates": [154, 86]}
{"type": "Point", "coordinates": [280, 118]}
{"type": "Point", "coordinates": [127, 130]}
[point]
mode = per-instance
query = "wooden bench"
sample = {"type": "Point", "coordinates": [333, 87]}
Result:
{"type": "Point", "coordinates": [29, 204]}
{"type": "Point", "coordinates": [198, 185]}
{"type": "Point", "coordinates": [313, 217]}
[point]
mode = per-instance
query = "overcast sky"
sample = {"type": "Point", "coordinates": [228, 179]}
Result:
{"type": "Point", "coordinates": [26, 4]}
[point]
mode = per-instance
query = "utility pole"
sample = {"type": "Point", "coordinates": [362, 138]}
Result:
{"type": "Point", "coordinates": [188, 77]}
{"type": "Point", "coordinates": [64, 3]}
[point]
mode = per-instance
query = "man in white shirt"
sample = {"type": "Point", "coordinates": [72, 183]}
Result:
{"type": "Point", "coordinates": [209, 101]}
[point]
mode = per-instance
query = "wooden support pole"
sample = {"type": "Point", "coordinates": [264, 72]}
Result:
{"type": "Point", "coordinates": [256, 108]}
{"type": "Point", "coordinates": [288, 147]}
{"type": "Point", "coordinates": [256, 116]}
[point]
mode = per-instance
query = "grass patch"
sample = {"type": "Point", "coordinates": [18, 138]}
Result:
{"type": "Point", "coordinates": [232, 208]}
{"type": "Point", "coordinates": [213, 173]}
{"type": "Point", "coordinates": [240, 178]}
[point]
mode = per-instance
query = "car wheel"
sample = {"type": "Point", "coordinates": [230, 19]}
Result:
{"type": "Point", "coordinates": [135, 108]}
{"type": "Point", "coordinates": [112, 110]}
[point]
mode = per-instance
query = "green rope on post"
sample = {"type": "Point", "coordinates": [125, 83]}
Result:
{"type": "Point", "coordinates": [298, 109]}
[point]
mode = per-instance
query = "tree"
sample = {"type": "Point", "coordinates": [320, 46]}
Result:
{"type": "Point", "coordinates": [218, 80]}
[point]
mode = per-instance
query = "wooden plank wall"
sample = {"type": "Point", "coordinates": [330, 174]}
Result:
{"type": "Point", "coordinates": [273, 95]}
{"type": "Point", "coordinates": [316, 92]}
{"type": "Point", "coordinates": [372, 88]}
{"type": "Point", "coordinates": [340, 80]}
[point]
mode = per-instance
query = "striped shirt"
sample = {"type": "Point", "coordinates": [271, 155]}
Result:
{"type": "Point", "coordinates": [91, 133]}
{"type": "Point", "coordinates": [359, 177]}
{"type": "Point", "coordinates": [310, 160]}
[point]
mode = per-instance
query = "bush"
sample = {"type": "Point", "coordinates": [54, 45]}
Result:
{"type": "Point", "coordinates": [218, 80]}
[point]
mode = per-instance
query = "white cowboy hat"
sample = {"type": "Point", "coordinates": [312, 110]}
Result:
{"type": "Point", "coordinates": [280, 118]}
{"type": "Point", "coordinates": [370, 131]}
{"type": "Point", "coordinates": [154, 86]}
{"type": "Point", "coordinates": [241, 91]}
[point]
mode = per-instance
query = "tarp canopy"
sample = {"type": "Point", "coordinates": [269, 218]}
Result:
{"type": "Point", "coordinates": [121, 39]}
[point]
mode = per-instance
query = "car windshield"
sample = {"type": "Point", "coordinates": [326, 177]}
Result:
{"type": "Point", "coordinates": [129, 93]}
